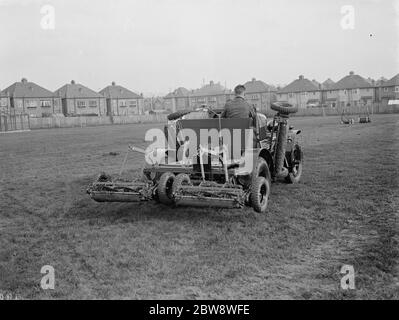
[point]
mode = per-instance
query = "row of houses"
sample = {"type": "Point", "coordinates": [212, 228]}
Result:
{"type": "Point", "coordinates": [72, 99]}
{"type": "Point", "coordinates": [258, 93]}
{"type": "Point", "coordinates": [351, 90]}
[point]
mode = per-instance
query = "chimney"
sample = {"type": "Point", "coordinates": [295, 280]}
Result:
{"type": "Point", "coordinates": [211, 83]}
{"type": "Point", "coordinates": [351, 73]}
{"type": "Point", "coordinates": [24, 80]}
{"type": "Point", "coordinates": [113, 83]}
{"type": "Point", "coordinates": [253, 79]}
{"type": "Point", "coordinates": [73, 82]}
{"type": "Point", "coordinates": [301, 77]}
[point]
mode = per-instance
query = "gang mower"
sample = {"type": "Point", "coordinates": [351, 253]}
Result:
{"type": "Point", "coordinates": [231, 166]}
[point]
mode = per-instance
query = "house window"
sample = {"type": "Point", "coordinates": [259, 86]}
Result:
{"type": "Point", "coordinates": [122, 103]}
{"type": "Point", "coordinates": [81, 104]}
{"type": "Point", "coordinates": [45, 103]}
{"type": "Point", "coordinates": [396, 89]}
{"type": "Point", "coordinates": [386, 89]}
{"type": "Point", "coordinates": [354, 91]}
{"type": "Point", "coordinates": [254, 97]}
{"type": "Point", "coordinates": [201, 100]}
{"type": "Point", "coordinates": [93, 104]}
{"type": "Point", "coordinates": [31, 103]}
{"type": "Point", "coordinates": [290, 95]}
{"type": "Point", "coordinates": [3, 102]}
{"type": "Point", "coordinates": [211, 99]}
{"type": "Point", "coordinates": [132, 104]}
{"type": "Point", "coordinates": [344, 91]}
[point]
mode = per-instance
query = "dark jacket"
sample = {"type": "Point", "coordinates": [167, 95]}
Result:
{"type": "Point", "coordinates": [238, 108]}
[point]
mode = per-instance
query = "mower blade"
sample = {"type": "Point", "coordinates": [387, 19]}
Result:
{"type": "Point", "coordinates": [120, 191]}
{"type": "Point", "coordinates": [218, 197]}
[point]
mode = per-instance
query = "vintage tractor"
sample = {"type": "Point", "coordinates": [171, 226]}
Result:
{"type": "Point", "coordinates": [232, 166]}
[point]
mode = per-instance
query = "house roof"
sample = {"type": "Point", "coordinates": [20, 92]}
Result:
{"type": "Point", "coordinates": [316, 83]}
{"type": "Point", "coordinates": [392, 82]}
{"type": "Point", "coordinates": [76, 90]}
{"type": "Point", "coordinates": [25, 89]}
{"type": "Point", "coordinates": [328, 84]}
{"type": "Point", "coordinates": [380, 82]}
{"type": "Point", "coordinates": [118, 92]}
{"type": "Point", "coordinates": [210, 89]}
{"type": "Point", "coordinates": [179, 92]}
{"type": "Point", "coordinates": [351, 81]}
{"type": "Point", "coordinates": [255, 86]}
{"type": "Point", "coordinates": [299, 85]}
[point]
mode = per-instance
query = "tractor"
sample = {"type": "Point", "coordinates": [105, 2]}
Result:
{"type": "Point", "coordinates": [233, 165]}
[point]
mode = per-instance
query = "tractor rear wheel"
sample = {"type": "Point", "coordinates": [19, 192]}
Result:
{"type": "Point", "coordinates": [164, 188]}
{"type": "Point", "coordinates": [262, 169]}
{"type": "Point", "coordinates": [180, 180]}
{"type": "Point", "coordinates": [260, 190]}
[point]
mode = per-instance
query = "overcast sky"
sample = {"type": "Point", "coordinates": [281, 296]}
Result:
{"type": "Point", "coordinates": [154, 46]}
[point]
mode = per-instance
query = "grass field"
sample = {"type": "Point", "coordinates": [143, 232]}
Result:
{"type": "Point", "coordinates": [345, 211]}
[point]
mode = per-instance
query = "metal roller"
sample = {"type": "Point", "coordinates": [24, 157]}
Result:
{"type": "Point", "coordinates": [219, 196]}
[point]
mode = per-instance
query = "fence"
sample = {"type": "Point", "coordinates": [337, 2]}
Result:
{"type": "Point", "coordinates": [14, 122]}
{"type": "Point", "coordinates": [337, 111]}
{"type": "Point", "coordinates": [23, 122]}
{"type": "Point", "coordinates": [70, 122]}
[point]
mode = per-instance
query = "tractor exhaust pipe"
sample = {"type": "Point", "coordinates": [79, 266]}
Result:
{"type": "Point", "coordinates": [281, 172]}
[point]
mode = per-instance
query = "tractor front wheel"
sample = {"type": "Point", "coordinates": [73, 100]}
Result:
{"type": "Point", "coordinates": [164, 188]}
{"type": "Point", "coordinates": [260, 190]}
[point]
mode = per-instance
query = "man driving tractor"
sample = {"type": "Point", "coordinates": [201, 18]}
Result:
{"type": "Point", "coordinates": [238, 107]}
